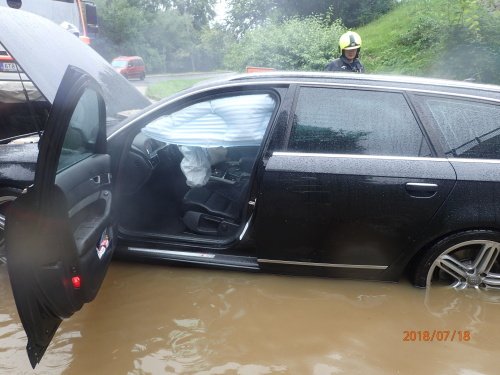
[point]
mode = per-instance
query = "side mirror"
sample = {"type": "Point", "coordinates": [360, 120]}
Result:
{"type": "Point", "coordinates": [91, 16]}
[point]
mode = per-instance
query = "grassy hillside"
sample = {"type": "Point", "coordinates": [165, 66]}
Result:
{"type": "Point", "coordinates": [443, 38]}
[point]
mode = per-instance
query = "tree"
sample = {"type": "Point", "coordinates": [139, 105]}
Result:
{"type": "Point", "coordinates": [245, 15]}
{"type": "Point", "coordinates": [201, 10]}
{"type": "Point", "coordinates": [171, 35]}
{"type": "Point", "coordinates": [121, 21]}
{"type": "Point", "coordinates": [295, 44]}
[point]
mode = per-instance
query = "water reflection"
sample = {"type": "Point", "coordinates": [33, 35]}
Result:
{"type": "Point", "coordinates": [161, 320]}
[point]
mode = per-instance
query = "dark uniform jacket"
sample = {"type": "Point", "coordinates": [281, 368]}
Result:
{"type": "Point", "coordinates": [342, 65]}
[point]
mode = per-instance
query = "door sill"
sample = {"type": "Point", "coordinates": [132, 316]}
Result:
{"type": "Point", "coordinates": [190, 257]}
{"type": "Point", "coordinates": [186, 239]}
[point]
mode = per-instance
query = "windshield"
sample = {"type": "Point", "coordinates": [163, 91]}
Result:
{"type": "Point", "coordinates": [119, 63]}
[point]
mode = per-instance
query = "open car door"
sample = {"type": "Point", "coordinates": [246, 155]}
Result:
{"type": "Point", "coordinates": [59, 235]}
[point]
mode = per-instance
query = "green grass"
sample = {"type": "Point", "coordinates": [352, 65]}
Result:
{"type": "Point", "coordinates": [435, 38]}
{"type": "Point", "coordinates": [163, 89]}
{"type": "Point", "coordinates": [391, 43]}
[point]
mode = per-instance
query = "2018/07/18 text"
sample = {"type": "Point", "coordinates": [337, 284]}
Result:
{"type": "Point", "coordinates": [436, 335]}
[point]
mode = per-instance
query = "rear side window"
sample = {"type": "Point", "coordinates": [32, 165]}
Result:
{"type": "Point", "coordinates": [470, 129]}
{"type": "Point", "coordinates": [345, 121]}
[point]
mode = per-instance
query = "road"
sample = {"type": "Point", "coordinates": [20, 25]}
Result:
{"type": "Point", "coordinates": [155, 78]}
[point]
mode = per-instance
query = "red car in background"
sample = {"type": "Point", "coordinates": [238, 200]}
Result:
{"type": "Point", "coordinates": [130, 66]}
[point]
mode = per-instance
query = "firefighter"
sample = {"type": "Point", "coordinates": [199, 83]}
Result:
{"type": "Point", "coordinates": [349, 47]}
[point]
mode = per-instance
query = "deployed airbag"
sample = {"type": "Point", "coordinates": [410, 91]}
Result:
{"type": "Point", "coordinates": [232, 121]}
{"type": "Point", "coordinates": [201, 128]}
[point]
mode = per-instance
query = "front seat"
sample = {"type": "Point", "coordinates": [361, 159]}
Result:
{"type": "Point", "coordinates": [215, 209]}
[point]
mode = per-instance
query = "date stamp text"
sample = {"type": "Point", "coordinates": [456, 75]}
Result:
{"type": "Point", "coordinates": [450, 335]}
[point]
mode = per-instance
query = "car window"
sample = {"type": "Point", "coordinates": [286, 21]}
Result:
{"type": "Point", "coordinates": [470, 129]}
{"type": "Point", "coordinates": [239, 120]}
{"type": "Point", "coordinates": [81, 136]}
{"type": "Point", "coordinates": [211, 132]}
{"type": "Point", "coordinates": [355, 122]}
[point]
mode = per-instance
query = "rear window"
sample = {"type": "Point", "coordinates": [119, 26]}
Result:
{"type": "Point", "coordinates": [470, 129]}
{"type": "Point", "coordinates": [119, 63]}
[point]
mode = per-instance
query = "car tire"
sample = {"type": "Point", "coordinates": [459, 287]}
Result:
{"type": "Point", "coordinates": [7, 196]}
{"type": "Point", "coordinates": [143, 76]}
{"type": "Point", "coordinates": [463, 260]}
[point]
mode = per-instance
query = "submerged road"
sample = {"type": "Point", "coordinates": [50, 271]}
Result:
{"type": "Point", "coordinates": [156, 319]}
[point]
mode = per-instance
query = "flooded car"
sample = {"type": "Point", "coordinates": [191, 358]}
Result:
{"type": "Point", "coordinates": [353, 176]}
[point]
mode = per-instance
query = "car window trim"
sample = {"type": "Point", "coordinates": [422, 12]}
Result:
{"type": "Point", "coordinates": [288, 104]}
{"type": "Point", "coordinates": [377, 78]}
{"type": "Point", "coordinates": [286, 97]}
{"type": "Point", "coordinates": [385, 157]}
{"type": "Point", "coordinates": [428, 132]}
{"type": "Point", "coordinates": [404, 87]}
{"type": "Point", "coordinates": [359, 156]}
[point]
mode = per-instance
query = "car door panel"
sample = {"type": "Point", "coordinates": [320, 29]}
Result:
{"type": "Point", "coordinates": [349, 213]}
{"type": "Point", "coordinates": [87, 190]}
{"type": "Point", "coordinates": [360, 172]}
{"type": "Point", "coordinates": [59, 235]}
{"type": "Point", "coordinates": [89, 198]}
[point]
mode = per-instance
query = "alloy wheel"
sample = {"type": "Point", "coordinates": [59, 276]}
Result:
{"type": "Point", "coordinates": [470, 264]}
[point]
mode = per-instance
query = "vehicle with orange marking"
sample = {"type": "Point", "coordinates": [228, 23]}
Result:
{"type": "Point", "coordinates": [76, 16]}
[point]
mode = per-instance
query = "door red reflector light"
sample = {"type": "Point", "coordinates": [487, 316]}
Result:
{"type": "Point", "coordinates": [76, 281]}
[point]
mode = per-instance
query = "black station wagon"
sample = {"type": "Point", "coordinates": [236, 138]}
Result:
{"type": "Point", "coordinates": [322, 174]}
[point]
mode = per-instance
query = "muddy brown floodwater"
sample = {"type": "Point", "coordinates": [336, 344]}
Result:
{"type": "Point", "coordinates": [151, 319]}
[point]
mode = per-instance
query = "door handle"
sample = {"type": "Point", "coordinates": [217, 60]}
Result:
{"type": "Point", "coordinates": [102, 179]}
{"type": "Point", "coordinates": [421, 189]}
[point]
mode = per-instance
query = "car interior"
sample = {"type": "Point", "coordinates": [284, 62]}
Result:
{"type": "Point", "coordinates": [188, 173]}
